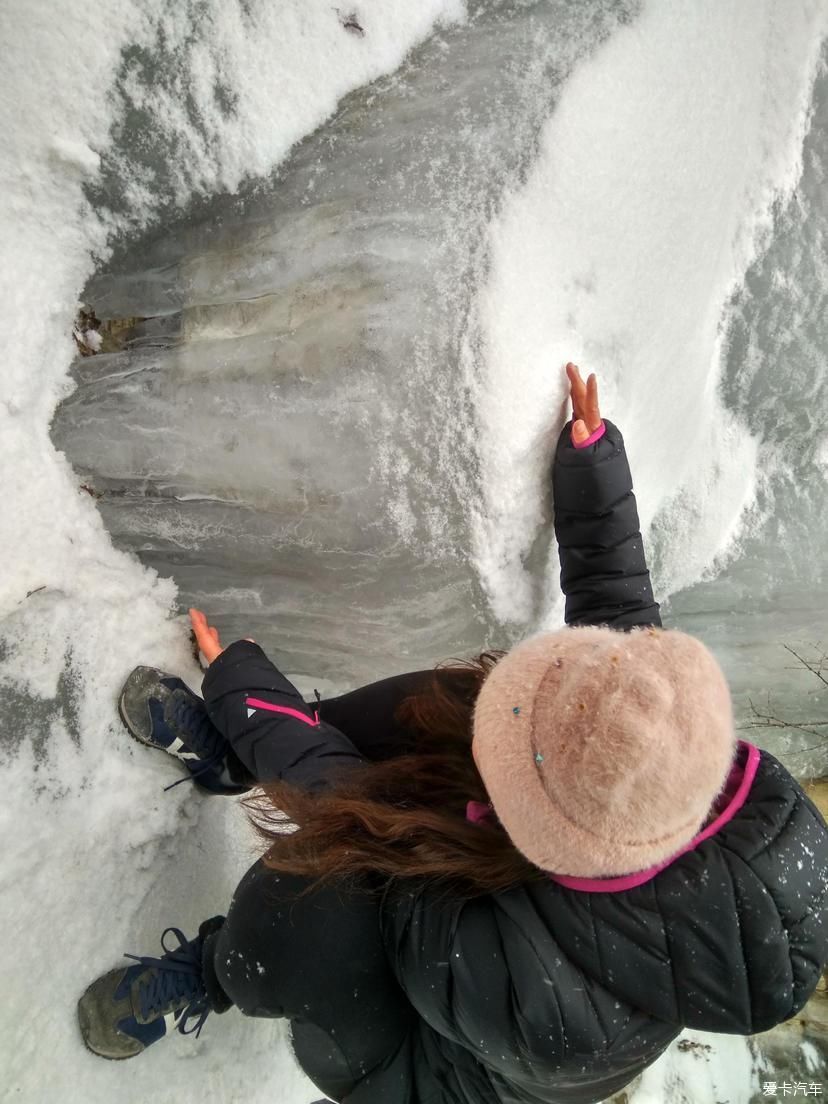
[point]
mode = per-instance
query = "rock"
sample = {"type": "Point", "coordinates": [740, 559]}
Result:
{"type": "Point", "coordinates": [94, 336]}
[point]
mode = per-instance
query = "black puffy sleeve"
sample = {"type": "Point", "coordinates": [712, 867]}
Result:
{"type": "Point", "coordinates": [275, 734]}
{"type": "Point", "coordinates": [604, 573]}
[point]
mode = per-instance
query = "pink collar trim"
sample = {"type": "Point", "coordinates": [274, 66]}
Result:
{"type": "Point", "coordinates": [734, 795]}
{"type": "Point", "coordinates": [630, 881]}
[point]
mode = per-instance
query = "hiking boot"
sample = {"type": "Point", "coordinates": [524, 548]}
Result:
{"type": "Point", "coordinates": [162, 712]}
{"type": "Point", "coordinates": [130, 1008]}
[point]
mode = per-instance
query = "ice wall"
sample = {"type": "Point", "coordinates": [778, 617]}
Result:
{"type": "Point", "coordinates": [291, 437]}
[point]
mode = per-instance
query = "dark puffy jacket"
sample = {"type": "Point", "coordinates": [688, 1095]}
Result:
{"type": "Point", "coordinates": [555, 995]}
{"type": "Point", "coordinates": [549, 994]}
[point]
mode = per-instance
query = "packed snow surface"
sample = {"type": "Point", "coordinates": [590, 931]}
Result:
{"type": "Point", "coordinates": [649, 197]}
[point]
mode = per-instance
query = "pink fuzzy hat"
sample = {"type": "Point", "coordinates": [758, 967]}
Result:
{"type": "Point", "coordinates": [603, 751]}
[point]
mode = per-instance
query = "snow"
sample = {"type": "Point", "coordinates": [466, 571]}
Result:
{"type": "Point", "coordinates": [89, 339]}
{"type": "Point", "coordinates": [812, 1059]}
{"type": "Point", "coordinates": [76, 154]}
{"type": "Point", "coordinates": [599, 258]}
{"type": "Point", "coordinates": [698, 1068]}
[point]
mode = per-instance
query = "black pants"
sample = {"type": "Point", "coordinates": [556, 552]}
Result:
{"type": "Point", "coordinates": [319, 961]}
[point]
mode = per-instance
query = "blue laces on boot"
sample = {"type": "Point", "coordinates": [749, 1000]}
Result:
{"type": "Point", "coordinates": [202, 737]}
{"type": "Point", "coordinates": [177, 977]}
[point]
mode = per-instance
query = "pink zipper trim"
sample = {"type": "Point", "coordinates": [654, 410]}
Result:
{"type": "Point", "coordinates": [630, 881]}
{"type": "Point", "coordinates": [257, 703]}
{"type": "Point", "coordinates": [596, 435]}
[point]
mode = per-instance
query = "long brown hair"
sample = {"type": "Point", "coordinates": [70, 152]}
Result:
{"type": "Point", "coordinates": [403, 817]}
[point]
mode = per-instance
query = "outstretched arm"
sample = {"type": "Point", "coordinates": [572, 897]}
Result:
{"type": "Point", "coordinates": [271, 729]}
{"type": "Point", "coordinates": [604, 573]}
{"type": "Point", "coordinates": [268, 724]}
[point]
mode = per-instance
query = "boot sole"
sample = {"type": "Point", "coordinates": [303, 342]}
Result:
{"type": "Point", "coordinates": [106, 1057]}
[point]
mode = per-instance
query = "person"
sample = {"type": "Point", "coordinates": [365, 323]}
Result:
{"type": "Point", "coordinates": [512, 879]}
